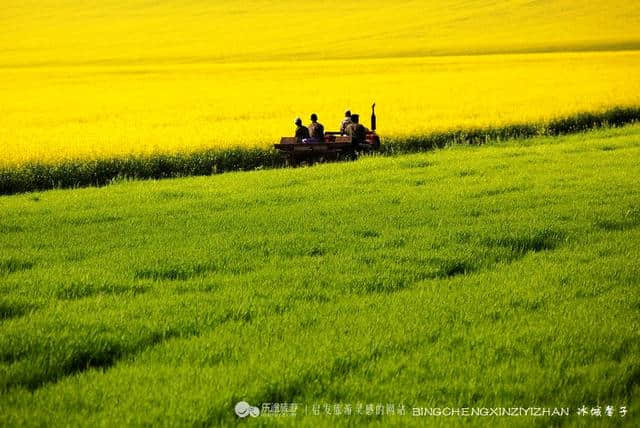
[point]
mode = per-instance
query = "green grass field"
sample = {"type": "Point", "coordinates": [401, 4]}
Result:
{"type": "Point", "coordinates": [502, 275]}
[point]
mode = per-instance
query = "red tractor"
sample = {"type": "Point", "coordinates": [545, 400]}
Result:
{"type": "Point", "coordinates": [334, 147]}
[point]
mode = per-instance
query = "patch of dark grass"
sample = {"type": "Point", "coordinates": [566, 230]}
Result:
{"type": "Point", "coordinates": [96, 354]}
{"type": "Point", "coordinates": [395, 243]}
{"type": "Point", "coordinates": [591, 292]}
{"type": "Point", "coordinates": [391, 281]}
{"type": "Point", "coordinates": [631, 382]}
{"type": "Point", "coordinates": [506, 353]}
{"type": "Point", "coordinates": [411, 164]}
{"type": "Point", "coordinates": [367, 233]}
{"type": "Point", "coordinates": [460, 136]}
{"type": "Point", "coordinates": [616, 225]}
{"type": "Point", "coordinates": [13, 265]}
{"type": "Point", "coordinates": [96, 351]}
{"type": "Point", "coordinates": [291, 182]}
{"type": "Point", "coordinates": [377, 283]}
{"type": "Point", "coordinates": [174, 272]}
{"type": "Point", "coordinates": [10, 228]}
{"type": "Point", "coordinates": [280, 309]}
{"type": "Point", "coordinates": [242, 315]}
{"type": "Point", "coordinates": [580, 122]}
{"type": "Point", "coordinates": [450, 267]}
{"type": "Point", "coordinates": [79, 290]}
{"type": "Point", "coordinates": [532, 241]}
{"type": "Point", "coordinates": [466, 173]}
{"type": "Point", "coordinates": [225, 355]}
{"type": "Point", "coordinates": [307, 381]}
{"type": "Point", "coordinates": [99, 172]}
{"type": "Point", "coordinates": [474, 213]}
{"type": "Point", "coordinates": [514, 154]}
{"type": "Point", "coordinates": [496, 316]}
{"type": "Point", "coordinates": [629, 220]}
{"type": "Point", "coordinates": [624, 349]}
{"type": "Point", "coordinates": [316, 251]}
{"type": "Point", "coordinates": [497, 191]}
{"type": "Point", "coordinates": [529, 305]}
{"type": "Point", "coordinates": [10, 310]}
{"type": "Point", "coordinates": [307, 296]}
{"type": "Point", "coordinates": [167, 195]}
{"type": "Point", "coordinates": [584, 121]}
{"type": "Point", "coordinates": [76, 256]}
{"type": "Point", "coordinates": [464, 237]}
{"type": "Point", "coordinates": [92, 219]}
{"type": "Point", "coordinates": [95, 358]}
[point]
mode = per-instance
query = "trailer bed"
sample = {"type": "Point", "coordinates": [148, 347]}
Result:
{"type": "Point", "coordinates": [334, 147]}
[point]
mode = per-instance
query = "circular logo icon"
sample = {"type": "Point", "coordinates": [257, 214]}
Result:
{"type": "Point", "coordinates": [244, 409]}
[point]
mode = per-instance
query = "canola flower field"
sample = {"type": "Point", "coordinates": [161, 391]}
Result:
{"type": "Point", "coordinates": [104, 79]}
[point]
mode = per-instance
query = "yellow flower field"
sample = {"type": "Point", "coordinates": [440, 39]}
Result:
{"type": "Point", "coordinates": [110, 78]}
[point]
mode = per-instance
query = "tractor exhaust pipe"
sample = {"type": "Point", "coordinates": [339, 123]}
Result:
{"type": "Point", "coordinates": [373, 117]}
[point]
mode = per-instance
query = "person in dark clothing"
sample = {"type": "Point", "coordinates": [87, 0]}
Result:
{"type": "Point", "coordinates": [302, 132]}
{"type": "Point", "coordinates": [356, 131]}
{"type": "Point", "coordinates": [316, 129]}
{"type": "Point", "coordinates": [345, 122]}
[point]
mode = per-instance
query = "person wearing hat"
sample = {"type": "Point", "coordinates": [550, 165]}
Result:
{"type": "Point", "coordinates": [302, 132]}
{"type": "Point", "coordinates": [316, 130]}
{"type": "Point", "coordinates": [345, 122]}
{"type": "Point", "coordinates": [356, 131]}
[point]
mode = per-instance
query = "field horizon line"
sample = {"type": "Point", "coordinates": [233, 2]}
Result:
{"type": "Point", "coordinates": [575, 48]}
{"type": "Point", "coordinates": [83, 172]}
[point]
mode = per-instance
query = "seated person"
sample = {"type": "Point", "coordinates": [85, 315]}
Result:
{"type": "Point", "coordinates": [356, 131]}
{"type": "Point", "coordinates": [316, 131]}
{"type": "Point", "coordinates": [345, 122]}
{"type": "Point", "coordinates": [302, 132]}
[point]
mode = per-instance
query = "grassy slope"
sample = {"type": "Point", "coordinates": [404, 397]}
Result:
{"type": "Point", "coordinates": [502, 275]}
